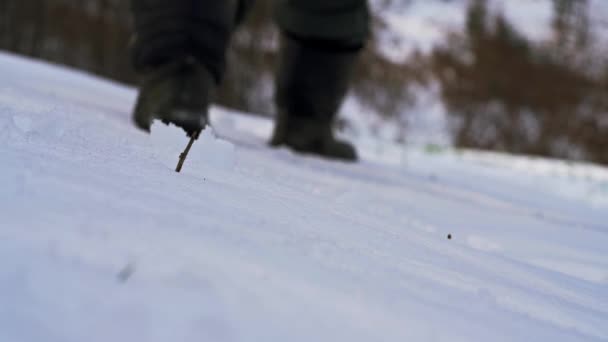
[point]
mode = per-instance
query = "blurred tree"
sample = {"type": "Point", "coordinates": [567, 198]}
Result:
{"type": "Point", "coordinates": [506, 93]}
{"type": "Point", "coordinates": [89, 34]}
{"type": "Point", "coordinates": [571, 24]}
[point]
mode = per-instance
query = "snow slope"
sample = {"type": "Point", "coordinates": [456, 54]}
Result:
{"type": "Point", "coordinates": [101, 241]}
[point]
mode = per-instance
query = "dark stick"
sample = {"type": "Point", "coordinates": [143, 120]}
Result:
{"type": "Point", "coordinates": [184, 155]}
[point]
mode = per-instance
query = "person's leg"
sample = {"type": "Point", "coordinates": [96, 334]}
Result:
{"type": "Point", "coordinates": [179, 50]}
{"type": "Point", "coordinates": [319, 47]}
{"type": "Point", "coordinates": [343, 21]}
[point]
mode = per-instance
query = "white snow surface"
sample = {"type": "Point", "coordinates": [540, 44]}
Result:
{"type": "Point", "coordinates": [100, 240]}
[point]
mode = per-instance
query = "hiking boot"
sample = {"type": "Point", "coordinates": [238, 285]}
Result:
{"type": "Point", "coordinates": [312, 80]}
{"type": "Point", "coordinates": [310, 136]}
{"type": "Point", "coordinates": [177, 93]}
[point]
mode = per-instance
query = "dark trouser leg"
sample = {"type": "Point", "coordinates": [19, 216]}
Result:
{"type": "Point", "coordinates": [167, 30]}
{"type": "Point", "coordinates": [320, 45]}
{"type": "Point", "coordinates": [179, 50]}
{"type": "Point", "coordinates": [344, 21]}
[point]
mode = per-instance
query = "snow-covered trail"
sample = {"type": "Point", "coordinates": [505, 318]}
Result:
{"type": "Point", "coordinates": [100, 240]}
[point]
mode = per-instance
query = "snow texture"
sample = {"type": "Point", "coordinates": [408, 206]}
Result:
{"type": "Point", "coordinates": [100, 240]}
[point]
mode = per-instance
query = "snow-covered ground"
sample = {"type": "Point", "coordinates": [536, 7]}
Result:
{"type": "Point", "coordinates": [101, 241]}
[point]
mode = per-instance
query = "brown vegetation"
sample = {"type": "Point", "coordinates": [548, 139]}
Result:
{"type": "Point", "coordinates": [505, 93]}
{"type": "Point", "coordinates": [88, 34]}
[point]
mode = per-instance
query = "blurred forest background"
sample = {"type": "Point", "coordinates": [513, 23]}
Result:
{"type": "Point", "coordinates": [501, 90]}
